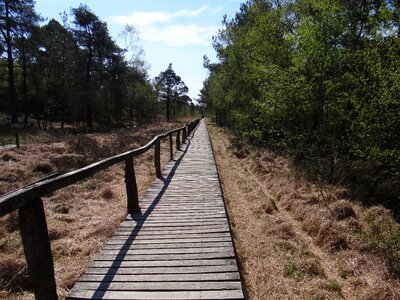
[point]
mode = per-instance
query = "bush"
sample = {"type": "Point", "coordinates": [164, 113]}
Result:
{"type": "Point", "coordinates": [383, 236]}
{"type": "Point", "coordinates": [43, 168]}
{"type": "Point", "coordinates": [342, 210]}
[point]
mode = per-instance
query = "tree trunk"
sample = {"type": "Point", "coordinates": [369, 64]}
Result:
{"type": "Point", "coordinates": [89, 121]}
{"type": "Point", "coordinates": [24, 84]}
{"type": "Point", "coordinates": [63, 95]}
{"type": "Point", "coordinates": [12, 98]}
{"type": "Point", "coordinates": [168, 109]}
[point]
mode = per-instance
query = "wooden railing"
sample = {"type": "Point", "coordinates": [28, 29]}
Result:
{"type": "Point", "coordinates": [28, 202]}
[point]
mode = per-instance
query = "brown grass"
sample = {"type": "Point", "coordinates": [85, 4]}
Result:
{"type": "Point", "coordinates": [297, 239]}
{"type": "Point", "coordinates": [341, 210]}
{"type": "Point", "coordinates": [80, 217]}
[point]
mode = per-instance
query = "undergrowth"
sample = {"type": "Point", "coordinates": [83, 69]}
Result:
{"type": "Point", "coordinates": [383, 235]}
{"type": "Point", "coordinates": [301, 238]}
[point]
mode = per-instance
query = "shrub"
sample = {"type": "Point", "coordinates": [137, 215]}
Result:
{"type": "Point", "coordinates": [14, 275]}
{"type": "Point", "coordinates": [43, 168]}
{"type": "Point", "coordinates": [342, 210]}
{"type": "Point", "coordinates": [333, 285]}
{"type": "Point", "coordinates": [61, 208]}
{"type": "Point", "coordinates": [302, 269]}
{"type": "Point", "coordinates": [107, 194]}
{"type": "Point", "coordinates": [382, 234]}
{"type": "Point", "coordinates": [8, 157]}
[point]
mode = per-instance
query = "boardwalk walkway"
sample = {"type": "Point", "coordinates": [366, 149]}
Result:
{"type": "Point", "coordinates": [179, 246]}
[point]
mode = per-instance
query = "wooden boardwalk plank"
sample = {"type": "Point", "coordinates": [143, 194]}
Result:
{"type": "Point", "coordinates": [161, 277]}
{"type": "Point", "coordinates": [162, 295]}
{"type": "Point", "coordinates": [168, 263]}
{"type": "Point", "coordinates": [159, 270]}
{"type": "Point", "coordinates": [213, 255]}
{"type": "Point", "coordinates": [178, 247]}
{"type": "Point", "coordinates": [163, 245]}
{"type": "Point", "coordinates": [166, 285]}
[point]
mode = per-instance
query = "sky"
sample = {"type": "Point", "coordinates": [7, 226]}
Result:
{"type": "Point", "coordinates": [174, 31]}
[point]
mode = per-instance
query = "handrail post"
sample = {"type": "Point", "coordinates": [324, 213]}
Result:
{"type": "Point", "coordinates": [157, 159]}
{"type": "Point", "coordinates": [171, 147]}
{"type": "Point", "coordinates": [17, 139]}
{"type": "Point", "coordinates": [184, 138]}
{"type": "Point", "coordinates": [35, 239]}
{"type": "Point", "coordinates": [178, 140]}
{"type": "Point", "coordinates": [131, 187]}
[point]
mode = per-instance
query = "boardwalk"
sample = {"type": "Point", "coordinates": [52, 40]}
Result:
{"type": "Point", "coordinates": [179, 247]}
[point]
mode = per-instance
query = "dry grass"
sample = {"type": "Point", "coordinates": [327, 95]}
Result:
{"type": "Point", "coordinates": [80, 217]}
{"type": "Point", "coordinates": [298, 239]}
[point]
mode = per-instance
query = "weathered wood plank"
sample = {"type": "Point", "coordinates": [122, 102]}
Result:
{"type": "Point", "coordinates": [164, 263]}
{"type": "Point", "coordinates": [175, 220]}
{"type": "Point", "coordinates": [171, 231]}
{"type": "Point", "coordinates": [168, 251]}
{"type": "Point", "coordinates": [147, 236]}
{"type": "Point", "coordinates": [161, 277]}
{"type": "Point", "coordinates": [154, 286]}
{"type": "Point", "coordinates": [167, 241]}
{"type": "Point", "coordinates": [135, 295]}
{"type": "Point", "coordinates": [126, 246]}
{"type": "Point", "coordinates": [174, 224]}
{"type": "Point", "coordinates": [117, 257]}
{"type": "Point", "coordinates": [161, 270]}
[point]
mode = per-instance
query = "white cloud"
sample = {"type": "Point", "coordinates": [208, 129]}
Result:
{"type": "Point", "coordinates": [143, 18]}
{"type": "Point", "coordinates": [179, 35]}
{"type": "Point", "coordinates": [217, 10]}
{"type": "Point", "coordinates": [148, 18]}
{"type": "Point", "coordinates": [191, 13]}
{"type": "Point", "coordinates": [176, 35]}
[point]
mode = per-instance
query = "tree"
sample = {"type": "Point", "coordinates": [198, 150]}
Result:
{"type": "Point", "coordinates": [17, 19]}
{"type": "Point", "coordinates": [57, 64]}
{"type": "Point", "coordinates": [318, 78]}
{"type": "Point", "coordinates": [71, 72]}
{"type": "Point", "coordinates": [92, 35]}
{"type": "Point", "coordinates": [171, 88]}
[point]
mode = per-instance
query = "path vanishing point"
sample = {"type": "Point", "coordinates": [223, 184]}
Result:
{"type": "Point", "coordinates": [179, 246]}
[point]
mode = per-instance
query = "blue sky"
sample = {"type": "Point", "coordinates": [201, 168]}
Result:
{"type": "Point", "coordinates": [174, 31]}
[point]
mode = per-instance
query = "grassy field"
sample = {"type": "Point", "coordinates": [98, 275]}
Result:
{"type": "Point", "coordinates": [80, 217]}
{"type": "Point", "coordinates": [298, 239]}
{"type": "Point", "coordinates": [295, 239]}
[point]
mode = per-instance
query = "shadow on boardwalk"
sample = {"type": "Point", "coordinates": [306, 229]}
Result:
{"type": "Point", "coordinates": [139, 218]}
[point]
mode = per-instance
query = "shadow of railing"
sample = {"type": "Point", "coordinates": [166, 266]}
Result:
{"type": "Point", "coordinates": [140, 219]}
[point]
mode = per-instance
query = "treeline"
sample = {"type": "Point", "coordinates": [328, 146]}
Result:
{"type": "Point", "coordinates": [73, 72]}
{"type": "Point", "coordinates": [319, 79]}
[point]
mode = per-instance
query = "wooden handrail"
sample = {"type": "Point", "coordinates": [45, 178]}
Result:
{"type": "Point", "coordinates": [20, 197]}
{"type": "Point", "coordinates": [33, 227]}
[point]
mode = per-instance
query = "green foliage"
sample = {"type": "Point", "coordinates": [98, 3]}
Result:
{"type": "Point", "coordinates": [71, 72]}
{"type": "Point", "coordinates": [333, 285]}
{"type": "Point", "coordinates": [318, 79]}
{"type": "Point", "coordinates": [172, 90]}
{"type": "Point", "coordinates": [383, 236]}
{"type": "Point", "coordinates": [290, 269]}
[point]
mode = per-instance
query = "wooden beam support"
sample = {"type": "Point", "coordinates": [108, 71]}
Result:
{"type": "Point", "coordinates": [171, 147]}
{"type": "Point", "coordinates": [178, 140]}
{"type": "Point", "coordinates": [131, 187]}
{"type": "Point", "coordinates": [35, 239]}
{"type": "Point", "coordinates": [157, 158]}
